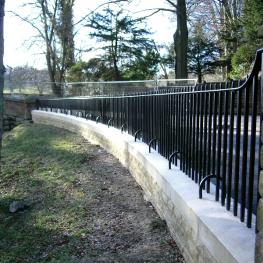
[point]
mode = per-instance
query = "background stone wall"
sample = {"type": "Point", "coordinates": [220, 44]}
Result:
{"type": "Point", "coordinates": [19, 106]}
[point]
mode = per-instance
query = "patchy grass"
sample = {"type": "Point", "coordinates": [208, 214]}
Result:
{"type": "Point", "coordinates": [38, 166]}
{"type": "Point", "coordinates": [83, 206]}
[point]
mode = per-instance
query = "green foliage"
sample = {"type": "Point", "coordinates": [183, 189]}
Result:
{"type": "Point", "coordinates": [253, 18]}
{"type": "Point", "coordinates": [97, 69]}
{"type": "Point", "coordinates": [144, 67]}
{"type": "Point", "coordinates": [252, 39]}
{"type": "Point", "coordinates": [76, 72]}
{"type": "Point", "coordinates": [202, 53]}
{"type": "Point", "coordinates": [93, 70]}
{"type": "Point", "coordinates": [241, 61]}
{"type": "Point", "coordinates": [124, 43]}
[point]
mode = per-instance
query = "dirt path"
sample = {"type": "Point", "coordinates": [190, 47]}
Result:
{"type": "Point", "coordinates": [82, 205]}
{"type": "Point", "coordinates": [123, 227]}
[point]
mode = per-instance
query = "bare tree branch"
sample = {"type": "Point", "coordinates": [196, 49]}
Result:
{"type": "Point", "coordinates": [28, 21]}
{"type": "Point", "coordinates": [172, 3]}
{"type": "Point", "coordinates": [98, 7]}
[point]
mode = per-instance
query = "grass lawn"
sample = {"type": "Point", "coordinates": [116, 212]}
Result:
{"type": "Point", "coordinates": [38, 166]}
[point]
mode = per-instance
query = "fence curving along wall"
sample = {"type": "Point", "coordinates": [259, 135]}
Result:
{"type": "Point", "coordinates": [212, 131]}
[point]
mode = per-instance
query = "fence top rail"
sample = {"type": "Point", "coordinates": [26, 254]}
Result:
{"type": "Point", "coordinates": [130, 81]}
{"type": "Point", "coordinates": [255, 70]}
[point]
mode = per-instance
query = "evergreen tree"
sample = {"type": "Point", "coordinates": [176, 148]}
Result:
{"type": "Point", "coordinates": [92, 70]}
{"type": "Point", "coordinates": [123, 40]}
{"type": "Point", "coordinates": [252, 38]}
{"type": "Point", "coordinates": [143, 67]}
{"type": "Point", "coordinates": [202, 53]}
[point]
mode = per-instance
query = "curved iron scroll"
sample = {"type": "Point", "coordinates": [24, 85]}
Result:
{"type": "Point", "coordinates": [122, 127]}
{"type": "Point", "coordinates": [97, 119]}
{"type": "Point", "coordinates": [175, 153]}
{"type": "Point", "coordinates": [110, 122]}
{"type": "Point", "coordinates": [151, 142]}
{"type": "Point", "coordinates": [201, 185]}
{"type": "Point", "coordinates": [136, 134]}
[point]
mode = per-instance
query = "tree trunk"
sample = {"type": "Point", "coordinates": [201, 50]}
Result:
{"type": "Point", "coordinates": [181, 41]}
{"type": "Point", "coordinates": [2, 70]}
{"type": "Point", "coordinates": [66, 33]}
{"type": "Point", "coordinates": [199, 77]}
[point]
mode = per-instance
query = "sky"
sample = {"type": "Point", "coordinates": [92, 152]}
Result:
{"type": "Point", "coordinates": [18, 35]}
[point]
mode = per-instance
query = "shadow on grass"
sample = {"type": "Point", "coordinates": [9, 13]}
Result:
{"type": "Point", "coordinates": [38, 167]}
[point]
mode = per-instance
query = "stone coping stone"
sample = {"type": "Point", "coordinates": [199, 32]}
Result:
{"type": "Point", "coordinates": [216, 235]}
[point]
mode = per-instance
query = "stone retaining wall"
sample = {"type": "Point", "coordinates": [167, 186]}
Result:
{"type": "Point", "coordinates": [203, 229]}
{"type": "Point", "coordinates": [20, 107]}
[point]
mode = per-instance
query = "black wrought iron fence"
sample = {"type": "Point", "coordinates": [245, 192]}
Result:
{"type": "Point", "coordinates": [212, 131]}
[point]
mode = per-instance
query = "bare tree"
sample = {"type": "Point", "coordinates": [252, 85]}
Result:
{"type": "Point", "coordinates": [224, 23]}
{"type": "Point", "coordinates": [179, 9]}
{"type": "Point", "coordinates": [180, 39]}
{"type": "Point", "coordinates": [53, 22]}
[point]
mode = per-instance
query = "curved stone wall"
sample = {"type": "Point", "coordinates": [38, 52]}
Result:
{"type": "Point", "coordinates": [203, 229]}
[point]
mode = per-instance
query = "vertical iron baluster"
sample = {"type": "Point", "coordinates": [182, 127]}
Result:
{"type": "Point", "coordinates": [129, 128]}
{"type": "Point", "coordinates": [148, 119]}
{"type": "Point", "coordinates": [201, 134]}
{"type": "Point", "coordinates": [205, 112]}
{"type": "Point", "coordinates": [214, 132]}
{"type": "Point", "coordinates": [184, 134]}
{"type": "Point", "coordinates": [181, 129]}
{"type": "Point", "coordinates": [146, 132]}
{"type": "Point", "coordinates": [161, 125]}
{"type": "Point", "coordinates": [168, 127]}
{"type": "Point", "coordinates": [237, 151]}
{"type": "Point", "coordinates": [172, 123]}
{"type": "Point", "coordinates": [190, 157]}
{"type": "Point", "coordinates": [151, 117]}
{"type": "Point", "coordinates": [252, 151]}
{"type": "Point", "coordinates": [188, 134]}
{"type": "Point", "coordinates": [159, 121]}
{"type": "Point", "coordinates": [177, 138]}
{"type": "Point", "coordinates": [244, 153]}
{"type": "Point", "coordinates": [165, 125]}
{"type": "Point", "coordinates": [197, 136]}
{"type": "Point", "coordinates": [209, 141]}
{"type": "Point", "coordinates": [193, 137]}
{"type": "Point", "coordinates": [230, 154]}
{"type": "Point", "coordinates": [155, 109]}
{"type": "Point", "coordinates": [219, 144]}
{"type": "Point", "coordinates": [224, 161]}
